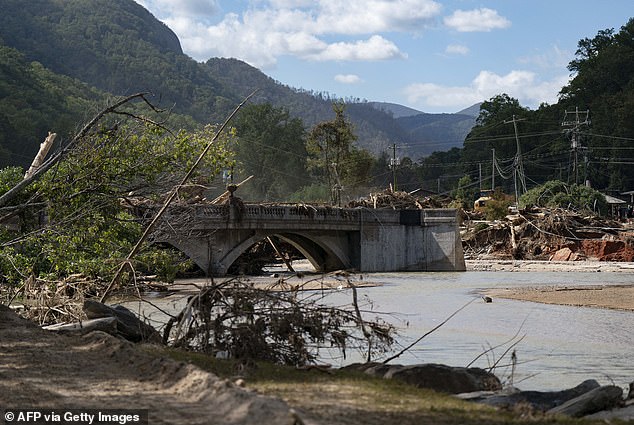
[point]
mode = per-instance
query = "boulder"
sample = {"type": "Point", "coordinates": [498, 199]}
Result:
{"type": "Point", "coordinates": [625, 414]}
{"type": "Point", "coordinates": [447, 379]}
{"type": "Point", "coordinates": [564, 254]}
{"type": "Point", "coordinates": [596, 400]}
{"type": "Point", "coordinates": [129, 326]}
{"type": "Point", "coordinates": [438, 377]}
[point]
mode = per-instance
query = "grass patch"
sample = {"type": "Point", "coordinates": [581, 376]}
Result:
{"type": "Point", "coordinates": [353, 398]}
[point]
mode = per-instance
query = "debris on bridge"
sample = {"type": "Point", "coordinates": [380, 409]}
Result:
{"type": "Point", "coordinates": [389, 199]}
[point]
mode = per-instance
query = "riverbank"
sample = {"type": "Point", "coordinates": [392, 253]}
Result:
{"type": "Point", "coordinates": [619, 297]}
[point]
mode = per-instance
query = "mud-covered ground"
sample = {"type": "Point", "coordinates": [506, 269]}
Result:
{"type": "Point", "coordinates": [41, 369]}
{"type": "Point", "coordinates": [619, 297]}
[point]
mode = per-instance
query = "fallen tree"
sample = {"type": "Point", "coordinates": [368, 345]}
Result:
{"type": "Point", "coordinates": [235, 319]}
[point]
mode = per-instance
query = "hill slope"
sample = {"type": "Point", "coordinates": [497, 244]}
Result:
{"type": "Point", "coordinates": [118, 47]}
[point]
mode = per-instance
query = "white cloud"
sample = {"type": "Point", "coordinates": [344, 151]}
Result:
{"type": "Point", "coordinates": [370, 16]}
{"type": "Point", "coordinates": [197, 9]}
{"type": "Point", "coordinates": [482, 19]}
{"type": "Point", "coordinates": [347, 78]}
{"type": "Point", "coordinates": [457, 49]}
{"type": "Point", "coordinates": [318, 30]}
{"type": "Point", "coordinates": [373, 49]}
{"type": "Point", "coordinates": [522, 85]}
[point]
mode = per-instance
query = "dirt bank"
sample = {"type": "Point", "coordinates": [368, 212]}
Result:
{"type": "Point", "coordinates": [615, 297]}
{"type": "Point", "coordinates": [619, 297]}
{"type": "Point", "coordinates": [40, 369]}
{"type": "Point", "coordinates": [550, 266]}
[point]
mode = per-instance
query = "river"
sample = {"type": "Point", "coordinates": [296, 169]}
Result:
{"type": "Point", "coordinates": [560, 347]}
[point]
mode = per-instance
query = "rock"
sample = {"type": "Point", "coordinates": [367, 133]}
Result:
{"type": "Point", "coordinates": [447, 379]}
{"type": "Point", "coordinates": [564, 254]}
{"type": "Point", "coordinates": [625, 414]}
{"type": "Point", "coordinates": [539, 400]}
{"type": "Point", "coordinates": [596, 400]}
{"type": "Point", "coordinates": [129, 326]}
{"type": "Point", "coordinates": [381, 369]}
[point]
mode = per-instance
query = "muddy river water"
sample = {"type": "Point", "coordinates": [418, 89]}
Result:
{"type": "Point", "coordinates": [560, 347]}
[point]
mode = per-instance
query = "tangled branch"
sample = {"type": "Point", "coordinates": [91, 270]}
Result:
{"type": "Point", "coordinates": [233, 318]}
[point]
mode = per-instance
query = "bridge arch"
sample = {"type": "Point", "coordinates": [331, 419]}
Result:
{"type": "Point", "coordinates": [324, 253]}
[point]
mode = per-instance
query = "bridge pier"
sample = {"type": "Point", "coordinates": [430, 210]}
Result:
{"type": "Point", "coordinates": [366, 240]}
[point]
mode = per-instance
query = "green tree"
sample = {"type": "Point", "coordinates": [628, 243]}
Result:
{"type": "Point", "coordinates": [557, 194]}
{"type": "Point", "coordinates": [466, 192]}
{"type": "Point", "coordinates": [603, 83]}
{"type": "Point", "coordinates": [271, 147]}
{"type": "Point", "coordinates": [329, 147]}
{"type": "Point", "coordinates": [87, 224]}
{"type": "Point", "coordinates": [356, 172]}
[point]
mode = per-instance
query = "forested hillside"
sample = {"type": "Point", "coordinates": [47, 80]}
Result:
{"type": "Point", "coordinates": [33, 100]}
{"type": "Point", "coordinates": [119, 48]}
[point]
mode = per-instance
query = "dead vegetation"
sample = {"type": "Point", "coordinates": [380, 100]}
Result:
{"type": "Point", "coordinates": [238, 320]}
{"type": "Point", "coordinates": [398, 201]}
{"type": "Point", "coordinates": [549, 234]}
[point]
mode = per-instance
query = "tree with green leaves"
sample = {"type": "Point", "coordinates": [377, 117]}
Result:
{"type": "Point", "coordinates": [79, 216]}
{"type": "Point", "coordinates": [603, 83]}
{"type": "Point", "coordinates": [270, 146]}
{"type": "Point", "coordinates": [557, 194]}
{"type": "Point", "coordinates": [329, 147]}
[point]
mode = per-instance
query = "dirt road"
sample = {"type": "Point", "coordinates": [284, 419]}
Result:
{"type": "Point", "coordinates": [40, 369]}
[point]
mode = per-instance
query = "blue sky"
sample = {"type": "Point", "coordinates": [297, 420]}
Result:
{"type": "Point", "coordinates": [431, 55]}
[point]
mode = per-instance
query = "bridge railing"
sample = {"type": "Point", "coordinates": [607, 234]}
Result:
{"type": "Point", "coordinates": [308, 216]}
{"type": "Point", "coordinates": [280, 212]}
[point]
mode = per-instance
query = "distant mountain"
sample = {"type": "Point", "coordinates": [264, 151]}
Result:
{"type": "Point", "coordinates": [119, 48]}
{"type": "Point", "coordinates": [425, 133]}
{"type": "Point", "coordinates": [428, 133]}
{"type": "Point", "coordinates": [396, 110]}
{"type": "Point", "coordinates": [473, 110]}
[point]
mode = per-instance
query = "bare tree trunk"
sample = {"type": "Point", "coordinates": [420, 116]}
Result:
{"type": "Point", "coordinates": [15, 190]}
{"type": "Point", "coordinates": [41, 154]}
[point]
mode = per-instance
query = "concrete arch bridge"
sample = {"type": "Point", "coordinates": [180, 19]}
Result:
{"type": "Point", "coordinates": [361, 239]}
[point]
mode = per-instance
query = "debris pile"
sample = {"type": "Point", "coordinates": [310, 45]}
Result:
{"type": "Point", "coordinates": [389, 199]}
{"type": "Point", "coordinates": [549, 234]}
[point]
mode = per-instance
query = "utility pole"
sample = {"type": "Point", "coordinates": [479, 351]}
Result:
{"type": "Point", "coordinates": [518, 168]}
{"type": "Point", "coordinates": [480, 175]}
{"type": "Point", "coordinates": [394, 162]}
{"type": "Point", "coordinates": [579, 119]}
{"type": "Point", "coordinates": [493, 171]}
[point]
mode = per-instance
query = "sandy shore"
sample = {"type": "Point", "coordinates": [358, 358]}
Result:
{"type": "Point", "coordinates": [619, 297]}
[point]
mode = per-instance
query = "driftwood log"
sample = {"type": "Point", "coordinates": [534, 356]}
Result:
{"type": "Point", "coordinates": [104, 324]}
